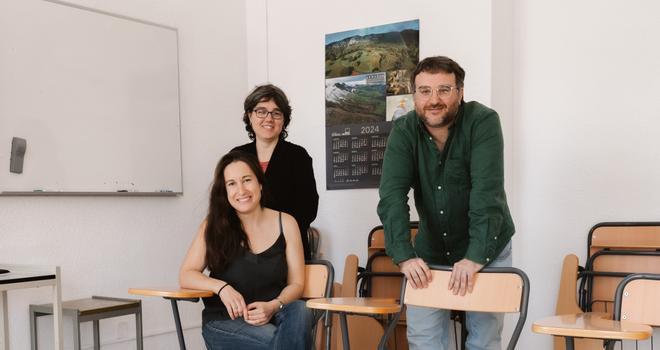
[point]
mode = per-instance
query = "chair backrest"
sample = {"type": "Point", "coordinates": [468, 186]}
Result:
{"type": "Point", "coordinates": [497, 289]}
{"type": "Point", "coordinates": [637, 299]}
{"type": "Point", "coordinates": [567, 297]}
{"type": "Point", "coordinates": [381, 278]}
{"type": "Point", "coordinates": [319, 276]}
{"type": "Point", "coordinates": [376, 240]}
{"type": "Point", "coordinates": [349, 280]}
{"type": "Point", "coordinates": [606, 268]}
{"type": "Point", "coordinates": [624, 235]}
{"type": "Point", "coordinates": [314, 240]}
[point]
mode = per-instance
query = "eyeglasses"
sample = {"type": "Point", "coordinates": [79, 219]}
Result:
{"type": "Point", "coordinates": [442, 90]}
{"type": "Point", "coordinates": [262, 113]}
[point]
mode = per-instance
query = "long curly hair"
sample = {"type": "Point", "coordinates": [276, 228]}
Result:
{"type": "Point", "coordinates": [224, 235]}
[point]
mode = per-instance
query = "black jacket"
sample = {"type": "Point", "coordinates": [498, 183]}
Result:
{"type": "Point", "coordinates": [290, 185]}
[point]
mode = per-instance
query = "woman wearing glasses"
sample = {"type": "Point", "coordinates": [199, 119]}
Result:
{"type": "Point", "coordinates": [288, 168]}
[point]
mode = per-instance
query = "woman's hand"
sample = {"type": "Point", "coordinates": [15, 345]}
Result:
{"type": "Point", "coordinates": [233, 301]}
{"type": "Point", "coordinates": [260, 312]}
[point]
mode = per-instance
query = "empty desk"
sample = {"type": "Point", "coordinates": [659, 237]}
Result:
{"type": "Point", "coordinates": [90, 309]}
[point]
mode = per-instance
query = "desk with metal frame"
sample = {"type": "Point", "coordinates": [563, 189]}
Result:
{"type": "Point", "coordinates": [174, 295]}
{"type": "Point", "coordinates": [590, 325]}
{"type": "Point", "coordinates": [374, 307]}
{"type": "Point", "coordinates": [27, 276]}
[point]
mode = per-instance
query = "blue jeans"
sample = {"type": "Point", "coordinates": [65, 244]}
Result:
{"type": "Point", "coordinates": [290, 328]}
{"type": "Point", "coordinates": [428, 327]}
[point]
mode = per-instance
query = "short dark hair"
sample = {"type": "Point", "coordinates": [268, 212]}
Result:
{"type": "Point", "coordinates": [265, 93]}
{"type": "Point", "coordinates": [436, 64]}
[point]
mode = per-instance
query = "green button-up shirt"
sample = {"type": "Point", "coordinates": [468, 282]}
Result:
{"type": "Point", "coordinates": [459, 192]}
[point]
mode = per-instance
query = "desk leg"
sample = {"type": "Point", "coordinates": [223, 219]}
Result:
{"type": "Point", "coordinates": [138, 329]}
{"type": "Point", "coordinates": [4, 322]}
{"type": "Point", "coordinates": [609, 344]}
{"type": "Point", "coordinates": [97, 337]}
{"type": "Point", "coordinates": [328, 329]}
{"type": "Point", "coordinates": [76, 333]}
{"type": "Point", "coordinates": [177, 321]}
{"type": "Point", "coordinates": [569, 343]}
{"type": "Point", "coordinates": [344, 331]}
{"type": "Point", "coordinates": [57, 311]}
{"type": "Point", "coordinates": [391, 325]}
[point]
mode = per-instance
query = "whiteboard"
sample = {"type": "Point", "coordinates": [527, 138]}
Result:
{"type": "Point", "coordinates": [95, 95]}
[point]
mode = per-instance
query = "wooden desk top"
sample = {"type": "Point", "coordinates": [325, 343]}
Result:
{"type": "Point", "coordinates": [356, 305]}
{"type": "Point", "coordinates": [178, 293]}
{"type": "Point", "coordinates": [591, 325]}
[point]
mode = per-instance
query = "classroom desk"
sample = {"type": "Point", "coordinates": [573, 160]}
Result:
{"type": "Point", "coordinates": [374, 307]}
{"type": "Point", "coordinates": [590, 325]}
{"type": "Point", "coordinates": [174, 295]}
{"type": "Point", "coordinates": [26, 276]}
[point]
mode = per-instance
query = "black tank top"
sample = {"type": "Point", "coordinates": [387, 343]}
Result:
{"type": "Point", "coordinates": [258, 277]}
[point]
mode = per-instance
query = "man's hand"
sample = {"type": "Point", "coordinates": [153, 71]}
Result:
{"type": "Point", "coordinates": [463, 276]}
{"type": "Point", "coordinates": [417, 272]}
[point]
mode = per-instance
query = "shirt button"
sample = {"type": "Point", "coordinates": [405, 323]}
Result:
{"type": "Point", "coordinates": [487, 259]}
{"type": "Point", "coordinates": [496, 238]}
{"type": "Point", "coordinates": [444, 234]}
{"type": "Point", "coordinates": [442, 212]}
{"type": "Point", "coordinates": [430, 138]}
{"type": "Point", "coordinates": [447, 253]}
{"type": "Point", "coordinates": [439, 187]}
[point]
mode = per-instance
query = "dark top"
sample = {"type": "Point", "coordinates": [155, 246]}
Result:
{"type": "Point", "coordinates": [290, 185]}
{"type": "Point", "coordinates": [459, 191]}
{"type": "Point", "coordinates": [258, 277]}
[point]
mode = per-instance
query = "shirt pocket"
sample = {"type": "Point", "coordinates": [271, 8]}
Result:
{"type": "Point", "coordinates": [457, 173]}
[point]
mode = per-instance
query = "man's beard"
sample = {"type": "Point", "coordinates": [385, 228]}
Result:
{"type": "Point", "coordinates": [449, 118]}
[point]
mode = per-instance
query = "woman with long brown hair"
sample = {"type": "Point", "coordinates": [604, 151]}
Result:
{"type": "Point", "coordinates": [256, 263]}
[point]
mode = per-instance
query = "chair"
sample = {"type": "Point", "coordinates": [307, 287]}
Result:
{"type": "Point", "coordinates": [319, 275]}
{"type": "Point", "coordinates": [606, 268]}
{"type": "Point", "coordinates": [615, 250]}
{"type": "Point", "coordinates": [174, 295]}
{"type": "Point", "coordinates": [623, 235]}
{"type": "Point", "coordinates": [376, 238]}
{"type": "Point", "coordinates": [598, 282]}
{"type": "Point", "coordinates": [383, 279]}
{"type": "Point", "coordinates": [365, 332]}
{"type": "Point", "coordinates": [498, 289]}
{"type": "Point", "coordinates": [567, 302]}
{"type": "Point", "coordinates": [636, 300]}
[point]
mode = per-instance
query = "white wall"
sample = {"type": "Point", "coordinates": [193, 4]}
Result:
{"type": "Point", "coordinates": [106, 245]}
{"type": "Point", "coordinates": [586, 82]}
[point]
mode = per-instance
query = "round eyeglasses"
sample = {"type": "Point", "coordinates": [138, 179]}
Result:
{"type": "Point", "coordinates": [442, 90]}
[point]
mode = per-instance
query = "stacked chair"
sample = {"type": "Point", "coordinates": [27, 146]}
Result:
{"type": "Point", "coordinates": [615, 250]}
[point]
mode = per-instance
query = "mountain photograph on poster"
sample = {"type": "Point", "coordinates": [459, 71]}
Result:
{"type": "Point", "coordinates": [355, 99]}
{"type": "Point", "coordinates": [383, 48]}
